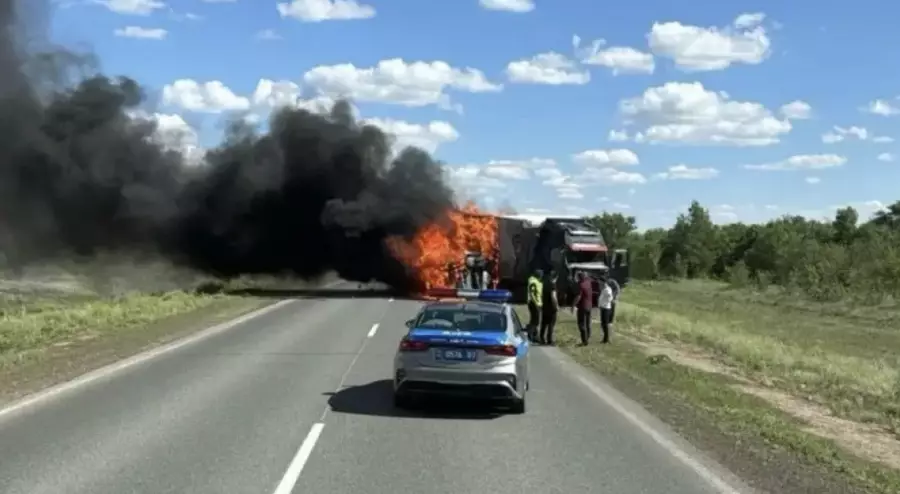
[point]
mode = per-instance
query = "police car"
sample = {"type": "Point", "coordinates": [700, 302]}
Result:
{"type": "Point", "coordinates": [472, 346]}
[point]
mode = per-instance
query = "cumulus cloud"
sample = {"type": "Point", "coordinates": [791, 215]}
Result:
{"type": "Point", "coordinates": [689, 113]}
{"type": "Point", "coordinates": [547, 68]}
{"type": "Point", "coordinates": [620, 59]}
{"type": "Point", "coordinates": [881, 107]}
{"type": "Point", "coordinates": [518, 6]}
{"type": "Point", "coordinates": [839, 134]}
{"type": "Point", "coordinates": [696, 48]}
{"type": "Point", "coordinates": [802, 162]}
{"type": "Point", "coordinates": [684, 172]}
{"type": "Point", "coordinates": [427, 137]}
{"type": "Point", "coordinates": [131, 7]}
{"type": "Point", "coordinates": [325, 10]}
{"type": "Point", "coordinates": [796, 110]}
{"type": "Point", "coordinates": [398, 82]}
{"type": "Point", "coordinates": [604, 157]}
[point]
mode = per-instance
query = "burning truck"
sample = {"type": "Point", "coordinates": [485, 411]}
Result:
{"type": "Point", "coordinates": [510, 248]}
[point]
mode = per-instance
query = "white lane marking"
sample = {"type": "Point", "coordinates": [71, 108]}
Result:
{"type": "Point", "coordinates": [373, 330]}
{"type": "Point", "coordinates": [705, 473]}
{"type": "Point", "coordinates": [296, 467]}
{"type": "Point", "coordinates": [108, 370]}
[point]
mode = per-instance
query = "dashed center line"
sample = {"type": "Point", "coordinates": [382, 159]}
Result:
{"type": "Point", "coordinates": [373, 330]}
{"type": "Point", "coordinates": [296, 467]}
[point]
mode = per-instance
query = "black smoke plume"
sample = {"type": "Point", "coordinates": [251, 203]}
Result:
{"type": "Point", "coordinates": [79, 177]}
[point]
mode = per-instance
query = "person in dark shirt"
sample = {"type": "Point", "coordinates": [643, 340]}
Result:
{"type": "Point", "coordinates": [584, 303]}
{"type": "Point", "coordinates": [549, 308]}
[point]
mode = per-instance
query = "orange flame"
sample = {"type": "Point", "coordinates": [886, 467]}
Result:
{"type": "Point", "coordinates": [439, 245]}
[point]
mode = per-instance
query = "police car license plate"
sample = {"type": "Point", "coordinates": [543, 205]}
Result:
{"type": "Point", "coordinates": [455, 354]}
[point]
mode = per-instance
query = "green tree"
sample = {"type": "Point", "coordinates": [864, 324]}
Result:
{"type": "Point", "coordinates": [615, 228]}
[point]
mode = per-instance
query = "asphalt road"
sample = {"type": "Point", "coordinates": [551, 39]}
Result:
{"type": "Point", "coordinates": [298, 400]}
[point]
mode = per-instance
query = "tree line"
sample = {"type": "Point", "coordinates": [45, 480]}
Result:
{"type": "Point", "coordinates": [824, 260]}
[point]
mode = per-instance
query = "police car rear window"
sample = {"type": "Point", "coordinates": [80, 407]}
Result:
{"type": "Point", "coordinates": [461, 320]}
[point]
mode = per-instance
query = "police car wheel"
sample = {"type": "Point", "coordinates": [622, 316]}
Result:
{"type": "Point", "coordinates": [518, 407]}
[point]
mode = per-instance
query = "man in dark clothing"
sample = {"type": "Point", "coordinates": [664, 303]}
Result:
{"type": "Point", "coordinates": [549, 309]}
{"type": "Point", "coordinates": [584, 302]}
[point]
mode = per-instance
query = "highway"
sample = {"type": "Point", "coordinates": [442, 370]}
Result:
{"type": "Point", "coordinates": [298, 400]}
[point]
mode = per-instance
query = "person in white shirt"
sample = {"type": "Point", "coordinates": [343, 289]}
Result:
{"type": "Point", "coordinates": [605, 303]}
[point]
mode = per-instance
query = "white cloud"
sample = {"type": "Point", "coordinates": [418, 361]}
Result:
{"type": "Point", "coordinates": [396, 81]}
{"type": "Point", "coordinates": [803, 162]}
{"type": "Point", "coordinates": [748, 21]}
{"type": "Point", "coordinates": [268, 34]}
{"type": "Point", "coordinates": [887, 157]}
{"type": "Point", "coordinates": [695, 48]}
{"type": "Point", "coordinates": [882, 139]}
{"type": "Point", "coordinates": [618, 135]}
{"type": "Point", "coordinates": [174, 133]}
{"type": "Point", "coordinates": [684, 172]}
{"type": "Point", "coordinates": [219, 1]}
{"type": "Point", "coordinates": [620, 205]}
{"type": "Point", "coordinates": [207, 97]}
{"type": "Point", "coordinates": [547, 68]}
{"type": "Point", "coordinates": [841, 133]}
{"type": "Point", "coordinates": [881, 107]}
{"type": "Point", "coordinates": [569, 193]}
{"type": "Point", "coordinates": [519, 6]}
{"type": "Point", "coordinates": [427, 137]}
{"type": "Point", "coordinates": [472, 181]}
{"type": "Point", "coordinates": [689, 113]}
{"type": "Point", "coordinates": [131, 7]}
{"type": "Point", "coordinates": [621, 59]}
{"type": "Point", "coordinates": [813, 180]}
{"type": "Point", "coordinates": [325, 10]}
{"type": "Point", "coordinates": [796, 110]}
{"type": "Point", "coordinates": [601, 157]}
{"type": "Point", "coordinates": [141, 33]}
{"type": "Point", "coordinates": [610, 176]}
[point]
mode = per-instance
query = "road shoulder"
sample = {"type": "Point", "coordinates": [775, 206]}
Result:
{"type": "Point", "coordinates": [763, 446]}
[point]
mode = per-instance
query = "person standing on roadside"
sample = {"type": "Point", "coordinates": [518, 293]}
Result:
{"type": "Point", "coordinates": [605, 303]}
{"type": "Point", "coordinates": [550, 304]}
{"type": "Point", "coordinates": [616, 290]}
{"type": "Point", "coordinates": [534, 303]}
{"type": "Point", "coordinates": [582, 306]}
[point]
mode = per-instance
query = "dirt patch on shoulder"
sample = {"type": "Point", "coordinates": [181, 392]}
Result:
{"type": "Point", "coordinates": [863, 440]}
{"type": "Point", "coordinates": [866, 441]}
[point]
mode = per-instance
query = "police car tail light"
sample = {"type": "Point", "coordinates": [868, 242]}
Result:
{"type": "Point", "coordinates": [490, 295]}
{"type": "Point", "coordinates": [502, 350]}
{"type": "Point", "coordinates": [413, 346]}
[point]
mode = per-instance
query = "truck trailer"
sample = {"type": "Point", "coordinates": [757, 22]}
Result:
{"type": "Point", "coordinates": [559, 243]}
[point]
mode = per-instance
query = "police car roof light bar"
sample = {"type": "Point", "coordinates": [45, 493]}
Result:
{"type": "Point", "coordinates": [499, 296]}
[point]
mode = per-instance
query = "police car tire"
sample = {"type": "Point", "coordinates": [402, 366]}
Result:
{"type": "Point", "coordinates": [518, 406]}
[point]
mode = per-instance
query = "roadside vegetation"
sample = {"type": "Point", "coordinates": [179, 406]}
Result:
{"type": "Point", "coordinates": [786, 332]}
{"type": "Point", "coordinates": [57, 322]}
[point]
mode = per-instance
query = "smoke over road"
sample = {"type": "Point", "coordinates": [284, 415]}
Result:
{"type": "Point", "coordinates": [79, 176]}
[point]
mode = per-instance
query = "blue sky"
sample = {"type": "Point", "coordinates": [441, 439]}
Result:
{"type": "Point", "coordinates": [755, 110]}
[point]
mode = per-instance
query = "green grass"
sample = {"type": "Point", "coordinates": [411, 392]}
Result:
{"type": "Point", "coordinates": [31, 325]}
{"type": "Point", "coordinates": [840, 357]}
